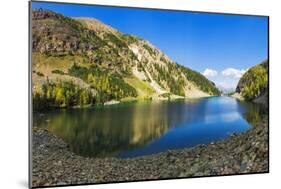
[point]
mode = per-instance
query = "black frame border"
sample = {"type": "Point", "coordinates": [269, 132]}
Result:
{"type": "Point", "coordinates": [30, 118]}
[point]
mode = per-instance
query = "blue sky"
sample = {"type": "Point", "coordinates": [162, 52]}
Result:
{"type": "Point", "coordinates": [220, 46]}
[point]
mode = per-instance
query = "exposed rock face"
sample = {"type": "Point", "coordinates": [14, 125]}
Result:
{"type": "Point", "coordinates": [262, 99]}
{"type": "Point", "coordinates": [96, 25]}
{"type": "Point", "coordinates": [52, 34]}
{"type": "Point", "coordinates": [90, 42]}
{"type": "Point", "coordinates": [42, 14]}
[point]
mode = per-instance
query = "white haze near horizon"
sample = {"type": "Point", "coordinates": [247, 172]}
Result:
{"type": "Point", "coordinates": [226, 80]}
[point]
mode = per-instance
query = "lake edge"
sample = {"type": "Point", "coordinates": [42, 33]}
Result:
{"type": "Point", "coordinates": [146, 140]}
{"type": "Point", "coordinates": [251, 156]}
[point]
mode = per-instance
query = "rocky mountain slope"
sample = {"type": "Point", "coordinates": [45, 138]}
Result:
{"type": "Point", "coordinates": [253, 85]}
{"type": "Point", "coordinates": [79, 61]}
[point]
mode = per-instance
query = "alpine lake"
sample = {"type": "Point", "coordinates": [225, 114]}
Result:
{"type": "Point", "coordinates": [128, 130]}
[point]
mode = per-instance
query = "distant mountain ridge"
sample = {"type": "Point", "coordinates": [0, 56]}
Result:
{"type": "Point", "coordinates": [106, 63]}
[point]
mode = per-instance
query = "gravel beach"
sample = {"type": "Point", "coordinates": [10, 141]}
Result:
{"type": "Point", "coordinates": [54, 164]}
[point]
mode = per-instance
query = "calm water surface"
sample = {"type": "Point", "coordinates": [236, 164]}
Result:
{"type": "Point", "coordinates": [129, 130]}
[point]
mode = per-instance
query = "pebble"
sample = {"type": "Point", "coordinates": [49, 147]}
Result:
{"type": "Point", "coordinates": [54, 164]}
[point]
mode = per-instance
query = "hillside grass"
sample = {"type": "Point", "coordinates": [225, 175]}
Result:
{"type": "Point", "coordinates": [69, 52]}
{"type": "Point", "coordinates": [46, 64]}
{"type": "Point", "coordinates": [143, 89]}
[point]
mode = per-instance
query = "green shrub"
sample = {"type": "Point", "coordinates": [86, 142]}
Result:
{"type": "Point", "coordinates": [108, 86]}
{"type": "Point", "coordinates": [255, 82]}
{"type": "Point", "coordinates": [115, 40]}
{"type": "Point", "coordinates": [40, 74]}
{"type": "Point", "coordinates": [199, 80]}
{"type": "Point", "coordinates": [148, 48]}
{"type": "Point", "coordinates": [58, 72]}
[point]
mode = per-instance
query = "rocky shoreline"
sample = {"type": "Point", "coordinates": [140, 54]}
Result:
{"type": "Point", "coordinates": [54, 164]}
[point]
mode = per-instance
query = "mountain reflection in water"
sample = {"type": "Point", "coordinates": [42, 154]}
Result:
{"type": "Point", "coordinates": [129, 130]}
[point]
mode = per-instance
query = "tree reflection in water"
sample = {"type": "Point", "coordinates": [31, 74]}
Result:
{"type": "Point", "coordinates": [113, 130]}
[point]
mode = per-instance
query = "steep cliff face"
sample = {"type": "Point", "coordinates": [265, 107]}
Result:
{"type": "Point", "coordinates": [98, 57]}
{"type": "Point", "coordinates": [253, 86]}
